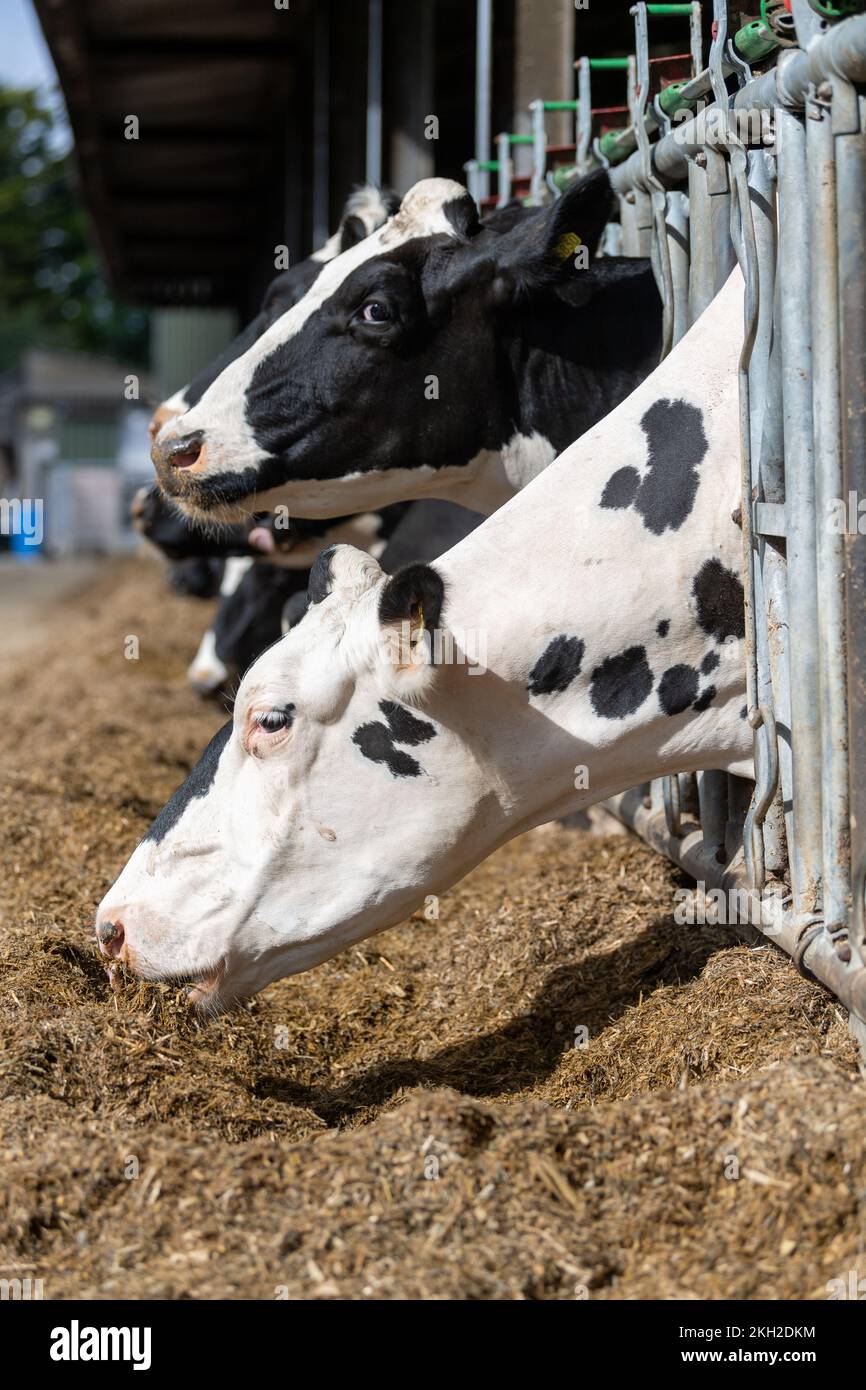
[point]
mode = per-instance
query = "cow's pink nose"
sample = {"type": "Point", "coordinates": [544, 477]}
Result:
{"type": "Point", "coordinates": [110, 936]}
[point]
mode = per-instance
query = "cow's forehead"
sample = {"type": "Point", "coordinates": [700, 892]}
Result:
{"type": "Point", "coordinates": [336, 638]}
{"type": "Point", "coordinates": [312, 645]}
{"type": "Point", "coordinates": [423, 212]}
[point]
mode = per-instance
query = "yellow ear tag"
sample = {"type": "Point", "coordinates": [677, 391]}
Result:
{"type": "Point", "coordinates": [567, 245]}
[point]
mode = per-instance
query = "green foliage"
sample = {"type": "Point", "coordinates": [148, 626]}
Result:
{"type": "Point", "coordinates": [52, 291]}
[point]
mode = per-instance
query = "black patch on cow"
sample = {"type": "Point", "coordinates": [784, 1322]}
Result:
{"type": "Point", "coordinates": [352, 230]}
{"type": "Point", "coordinates": [294, 610]}
{"type": "Point", "coordinates": [720, 600]}
{"type": "Point", "coordinates": [250, 620]}
{"type": "Point", "coordinates": [705, 699]}
{"type": "Point", "coordinates": [621, 488]}
{"type": "Point", "coordinates": [710, 662]}
{"type": "Point", "coordinates": [664, 627]}
{"type": "Point", "coordinates": [677, 445]}
{"type": "Point", "coordinates": [556, 668]}
{"type": "Point", "coordinates": [621, 684]}
{"type": "Point", "coordinates": [744, 713]}
{"type": "Point", "coordinates": [197, 784]}
{"type": "Point", "coordinates": [376, 743]}
{"type": "Point", "coordinates": [462, 213]}
{"type": "Point", "coordinates": [678, 688]}
{"type": "Point", "coordinates": [405, 728]}
{"type": "Point", "coordinates": [319, 585]}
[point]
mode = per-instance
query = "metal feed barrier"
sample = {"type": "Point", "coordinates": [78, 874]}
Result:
{"type": "Point", "coordinates": [759, 158]}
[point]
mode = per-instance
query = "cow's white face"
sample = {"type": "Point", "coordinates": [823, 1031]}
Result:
{"type": "Point", "coordinates": [314, 816]}
{"type": "Point", "coordinates": [392, 377]}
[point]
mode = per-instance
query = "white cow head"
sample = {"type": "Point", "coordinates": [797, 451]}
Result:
{"type": "Point", "coordinates": [307, 823]}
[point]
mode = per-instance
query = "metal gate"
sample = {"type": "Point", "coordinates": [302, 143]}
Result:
{"type": "Point", "coordinates": [759, 158]}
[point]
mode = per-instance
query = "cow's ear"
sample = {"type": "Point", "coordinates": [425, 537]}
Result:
{"type": "Point", "coordinates": [344, 570]}
{"type": "Point", "coordinates": [410, 610]}
{"type": "Point", "coordinates": [352, 230]}
{"type": "Point", "coordinates": [552, 248]}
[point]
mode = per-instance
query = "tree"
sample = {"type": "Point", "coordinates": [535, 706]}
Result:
{"type": "Point", "coordinates": [52, 290]}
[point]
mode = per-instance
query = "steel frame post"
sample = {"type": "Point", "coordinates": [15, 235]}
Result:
{"type": "Point", "coordinates": [850, 152]}
{"type": "Point", "coordinates": [796, 338]}
{"type": "Point", "coordinates": [829, 543]}
{"type": "Point", "coordinates": [483, 72]}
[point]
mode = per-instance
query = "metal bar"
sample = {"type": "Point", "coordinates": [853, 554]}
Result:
{"type": "Point", "coordinates": [851, 201]}
{"type": "Point", "coordinates": [506, 169]}
{"type": "Point", "coordinates": [661, 258]}
{"type": "Point", "coordinates": [539, 151]}
{"type": "Point", "coordinates": [583, 129]}
{"type": "Point", "coordinates": [321, 125]}
{"type": "Point", "coordinates": [702, 268]}
{"type": "Point", "coordinates": [796, 332]}
{"type": "Point", "coordinates": [806, 22]}
{"type": "Point", "coordinates": [677, 234]}
{"type": "Point", "coordinates": [840, 51]}
{"type": "Point", "coordinates": [373, 162]}
{"type": "Point", "coordinates": [697, 38]}
{"type": "Point", "coordinates": [473, 179]}
{"type": "Point", "coordinates": [628, 224]}
{"type": "Point", "coordinates": [767, 577]}
{"type": "Point", "coordinates": [483, 62]}
{"type": "Point", "coordinates": [724, 255]}
{"type": "Point", "coordinates": [772, 563]}
{"type": "Point", "coordinates": [713, 805]}
{"type": "Point", "coordinates": [830, 544]}
{"type": "Point", "coordinates": [760, 715]}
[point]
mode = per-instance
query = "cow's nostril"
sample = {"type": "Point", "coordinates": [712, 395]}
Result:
{"type": "Point", "coordinates": [180, 453]}
{"type": "Point", "coordinates": [184, 453]}
{"type": "Point", "coordinates": [110, 936]}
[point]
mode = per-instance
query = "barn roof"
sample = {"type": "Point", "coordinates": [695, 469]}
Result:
{"type": "Point", "coordinates": [210, 81]}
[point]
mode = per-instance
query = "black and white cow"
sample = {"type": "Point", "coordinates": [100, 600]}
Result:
{"type": "Point", "coordinates": [195, 577]}
{"type": "Point", "coordinates": [357, 775]}
{"type": "Point", "coordinates": [259, 602]}
{"type": "Point", "coordinates": [440, 356]}
{"type": "Point", "coordinates": [179, 539]}
{"type": "Point", "coordinates": [192, 550]}
{"type": "Point", "coordinates": [366, 208]}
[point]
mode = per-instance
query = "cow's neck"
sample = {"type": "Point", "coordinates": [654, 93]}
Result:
{"type": "Point", "coordinates": [614, 613]}
{"type": "Point", "coordinates": [569, 365]}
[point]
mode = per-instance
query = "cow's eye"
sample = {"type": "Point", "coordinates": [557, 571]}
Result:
{"type": "Point", "coordinates": [374, 311]}
{"type": "Point", "coordinates": [272, 720]}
